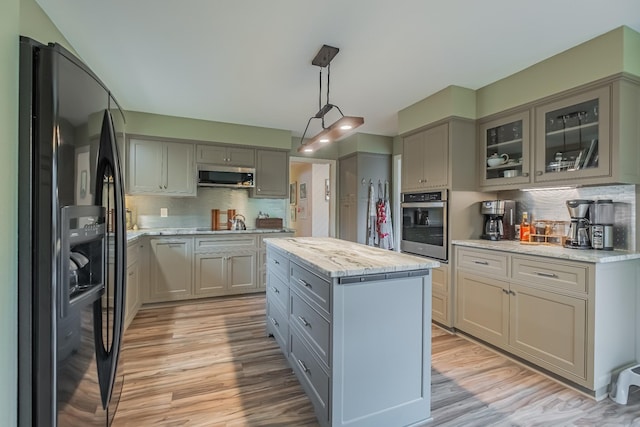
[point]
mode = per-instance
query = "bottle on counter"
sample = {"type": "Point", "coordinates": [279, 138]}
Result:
{"type": "Point", "coordinates": [525, 228]}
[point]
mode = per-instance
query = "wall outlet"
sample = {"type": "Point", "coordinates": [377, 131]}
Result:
{"type": "Point", "coordinates": [164, 212]}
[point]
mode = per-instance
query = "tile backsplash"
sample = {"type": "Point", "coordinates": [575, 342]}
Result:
{"type": "Point", "coordinates": [191, 212]}
{"type": "Point", "coordinates": [550, 204]}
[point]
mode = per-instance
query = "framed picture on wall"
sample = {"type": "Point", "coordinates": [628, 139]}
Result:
{"type": "Point", "coordinates": [293, 189]}
{"type": "Point", "coordinates": [303, 190]}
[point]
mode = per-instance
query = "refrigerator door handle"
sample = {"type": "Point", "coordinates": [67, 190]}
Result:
{"type": "Point", "coordinates": [107, 356]}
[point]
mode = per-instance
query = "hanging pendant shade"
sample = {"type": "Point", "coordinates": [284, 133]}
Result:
{"type": "Point", "coordinates": [341, 127]}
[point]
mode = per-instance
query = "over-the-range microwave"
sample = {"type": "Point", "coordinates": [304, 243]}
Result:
{"type": "Point", "coordinates": [225, 176]}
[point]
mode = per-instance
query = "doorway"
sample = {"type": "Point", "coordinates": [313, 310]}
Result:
{"type": "Point", "coordinates": [312, 207]}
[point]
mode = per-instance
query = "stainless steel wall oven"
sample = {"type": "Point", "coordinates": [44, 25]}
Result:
{"type": "Point", "coordinates": [424, 224]}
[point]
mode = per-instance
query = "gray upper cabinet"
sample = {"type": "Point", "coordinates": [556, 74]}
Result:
{"type": "Point", "coordinates": [505, 153]}
{"type": "Point", "coordinates": [426, 159]}
{"type": "Point", "coordinates": [440, 156]}
{"type": "Point", "coordinates": [272, 174]}
{"type": "Point", "coordinates": [226, 155]}
{"type": "Point", "coordinates": [586, 136]}
{"type": "Point", "coordinates": [161, 168]}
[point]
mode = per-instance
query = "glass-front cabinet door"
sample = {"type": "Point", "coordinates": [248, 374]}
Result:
{"type": "Point", "coordinates": [572, 137]}
{"type": "Point", "coordinates": [505, 153]}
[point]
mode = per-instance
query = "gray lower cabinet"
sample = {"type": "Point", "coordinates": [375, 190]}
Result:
{"type": "Point", "coordinates": [570, 318]}
{"type": "Point", "coordinates": [132, 292]}
{"type": "Point", "coordinates": [200, 266]}
{"type": "Point", "coordinates": [361, 350]}
{"type": "Point", "coordinates": [170, 269]}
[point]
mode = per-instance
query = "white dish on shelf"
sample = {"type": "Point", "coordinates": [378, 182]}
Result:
{"type": "Point", "coordinates": [510, 173]}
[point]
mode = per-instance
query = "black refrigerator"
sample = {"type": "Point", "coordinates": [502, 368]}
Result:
{"type": "Point", "coordinates": [71, 242]}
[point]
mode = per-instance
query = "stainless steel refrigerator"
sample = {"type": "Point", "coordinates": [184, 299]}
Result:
{"type": "Point", "coordinates": [71, 242]}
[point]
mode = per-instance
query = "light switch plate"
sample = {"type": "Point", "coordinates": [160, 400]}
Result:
{"type": "Point", "coordinates": [164, 212]}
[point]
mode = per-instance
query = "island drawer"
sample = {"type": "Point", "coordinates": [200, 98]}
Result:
{"type": "Point", "coordinates": [278, 263]}
{"type": "Point", "coordinates": [225, 243]}
{"type": "Point", "coordinates": [278, 291]}
{"type": "Point", "coordinates": [278, 325]}
{"type": "Point", "coordinates": [559, 275]}
{"type": "Point", "coordinates": [485, 262]}
{"type": "Point", "coordinates": [313, 378]}
{"type": "Point", "coordinates": [313, 327]}
{"type": "Point", "coordinates": [314, 288]}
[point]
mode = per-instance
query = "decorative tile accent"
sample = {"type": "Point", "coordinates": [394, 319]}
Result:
{"type": "Point", "coordinates": [195, 212]}
{"type": "Point", "coordinates": [551, 204]}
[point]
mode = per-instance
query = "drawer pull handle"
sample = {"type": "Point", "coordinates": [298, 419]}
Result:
{"type": "Point", "coordinates": [543, 274]}
{"type": "Point", "coordinates": [481, 262]}
{"type": "Point", "coordinates": [511, 292]}
{"type": "Point", "coordinates": [274, 289]}
{"type": "Point", "coordinates": [303, 366]}
{"type": "Point", "coordinates": [305, 283]}
{"type": "Point", "coordinates": [274, 321]}
{"type": "Point", "coordinates": [304, 321]}
{"type": "Point", "coordinates": [505, 291]}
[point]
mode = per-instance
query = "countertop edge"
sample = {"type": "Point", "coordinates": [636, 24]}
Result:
{"type": "Point", "coordinates": [551, 251]}
{"type": "Point", "coordinates": [133, 235]}
{"type": "Point", "coordinates": [418, 263]}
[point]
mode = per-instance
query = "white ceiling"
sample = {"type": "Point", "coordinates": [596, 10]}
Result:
{"type": "Point", "coordinates": [249, 61]}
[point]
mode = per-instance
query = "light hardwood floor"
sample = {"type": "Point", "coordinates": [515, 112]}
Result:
{"type": "Point", "coordinates": [210, 363]}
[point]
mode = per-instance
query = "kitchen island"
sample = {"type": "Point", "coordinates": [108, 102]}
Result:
{"type": "Point", "coordinates": [354, 323]}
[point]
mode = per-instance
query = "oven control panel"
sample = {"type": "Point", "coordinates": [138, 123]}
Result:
{"type": "Point", "coordinates": [424, 197]}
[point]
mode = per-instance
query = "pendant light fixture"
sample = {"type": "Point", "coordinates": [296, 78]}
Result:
{"type": "Point", "coordinates": [341, 127]}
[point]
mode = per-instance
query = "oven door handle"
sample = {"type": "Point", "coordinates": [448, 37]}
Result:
{"type": "Point", "coordinates": [423, 205]}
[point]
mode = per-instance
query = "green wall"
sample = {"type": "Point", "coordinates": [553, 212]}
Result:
{"type": "Point", "coordinates": [36, 24]}
{"type": "Point", "coordinates": [9, 28]}
{"type": "Point", "coordinates": [451, 101]}
{"type": "Point", "coordinates": [608, 54]}
{"type": "Point", "coordinates": [203, 130]}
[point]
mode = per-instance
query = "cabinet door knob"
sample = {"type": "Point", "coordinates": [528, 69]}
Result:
{"type": "Point", "coordinates": [505, 291]}
{"type": "Point", "coordinates": [258, 188]}
{"type": "Point", "coordinates": [274, 321]}
{"type": "Point", "coordinates": [511, 292]}
{"type": "Point", "coordinates": [275, 290]}
{"type": "Point", "coordinates": [160, 187]}
{"type": "Point", "coordinates": [525, 174]}
{"type": "Point", "coordinates": [539, 173]}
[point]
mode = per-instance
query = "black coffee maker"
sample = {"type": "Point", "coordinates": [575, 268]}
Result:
{"type": "Point", "coordinates": [499, 219]}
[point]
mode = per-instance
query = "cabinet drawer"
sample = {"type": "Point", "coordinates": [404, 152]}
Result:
{"type": "Point", "coordinates": [484, 262]}
{"type": "Point", "coordinates": [314, 288]}
{"type": "Point", "coordinates": [570, 277]}
{"type": "Point", "coordinates": [278, 326]}
{"type": "Point", "coordinates": [312, 378]}
{"type": "Point", "coordinates": [278, 291]}
{"type": "Point", "coordinates": [314, 328]}
{"type": "Point", "coordinates": [225, 243]}
{"type": "Point", "coordinates": [278, 263]}
{"type": "Point", "coordinates": [440, 280]}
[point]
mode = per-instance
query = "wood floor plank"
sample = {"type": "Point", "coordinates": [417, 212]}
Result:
{"type": "Point", "coordinates": [209, 363]}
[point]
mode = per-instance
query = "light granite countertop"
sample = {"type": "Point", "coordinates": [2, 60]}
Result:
{"type": "Point", "coordinates": [133, 235]}
{"type": "Point", "coordinates": [340, 258]}
{"type": "Point", "coordinates": [585, 255]}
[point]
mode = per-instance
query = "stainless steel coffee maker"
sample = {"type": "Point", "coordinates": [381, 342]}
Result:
{"type": "Point", "coordinates": [578, 237]}
{"type": "Point", "coordinates": [494, 212]}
